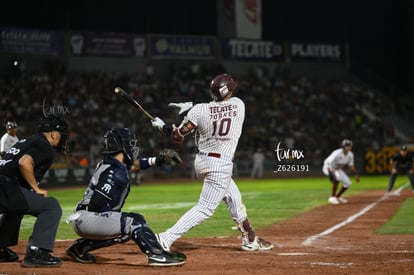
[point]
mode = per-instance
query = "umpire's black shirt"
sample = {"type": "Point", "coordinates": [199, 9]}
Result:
{"type": "Point", "coordinates": [403, 162]}
{"type": "Point", "coordinates": [38, 147]}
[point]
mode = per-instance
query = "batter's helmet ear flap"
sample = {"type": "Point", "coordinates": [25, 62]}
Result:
{"type": "Point", "coordinates": [221, 86]}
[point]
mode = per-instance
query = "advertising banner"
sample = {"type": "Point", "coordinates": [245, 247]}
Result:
{"type": "Point", "coordinates": [251, 50]}
{"type": "Point", "coordinates": [327, 52]}
{"type": "Point", "coordinates": [107, 44]}
{"type": "Point", "coordinates": [239, 18]}
{"type": "Point", "coordinates": [248, 19]}
{"type": "Point", "coordinates": [172, 46]}
{"type": "Point", "coordinates": [31, 41]}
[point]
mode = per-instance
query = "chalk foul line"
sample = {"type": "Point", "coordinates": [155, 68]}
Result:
{"type": "Point", "coordinates": [350, 219]}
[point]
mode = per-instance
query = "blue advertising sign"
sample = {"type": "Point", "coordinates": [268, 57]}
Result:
{"type": "Point", "coordinates": [170, 46]}
{"type": "Point", "coordinates": [251, 50]}
{"type": "Point", "coordinates": [31, 41]}
{"type": "Point", "coordinates": [107, 44]}
{"type": "Point", "coordinates": [325, 52]}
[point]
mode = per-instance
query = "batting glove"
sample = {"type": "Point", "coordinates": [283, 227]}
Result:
{"type": "Point", "coordinates": [158, 123]}
{"type": "Point", "coordinates": [183, 107]}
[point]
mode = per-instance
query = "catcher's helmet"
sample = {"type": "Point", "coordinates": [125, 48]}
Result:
{"type": "Point", "coordinates": [346, 142]}
{"type": "Point", "coordinates": [56, 123]}
{"type": "Point", "coordinates": [11, 124]}
{"type": "Point", "coordinates": [121, 140]}
{"type": "Point", "coordinates": [221, 86]}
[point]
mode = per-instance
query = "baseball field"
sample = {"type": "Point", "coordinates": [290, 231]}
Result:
{"type": "Point", "coordinates": [372, 234]}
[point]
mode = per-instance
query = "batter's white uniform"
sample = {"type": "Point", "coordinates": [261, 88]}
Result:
{"type": "Point", "coordinates": [336, 161]}
{"type": "Point", "coordinates": [219, 125]}
{"type": "Point", "coordinates": [7, 141]}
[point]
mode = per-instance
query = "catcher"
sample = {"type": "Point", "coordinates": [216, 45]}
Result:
{"type": "Point", "coordinates": [98, 218]}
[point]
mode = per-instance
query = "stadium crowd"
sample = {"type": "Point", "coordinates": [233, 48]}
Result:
{"type": "Point", "coordinates": [312, 115]}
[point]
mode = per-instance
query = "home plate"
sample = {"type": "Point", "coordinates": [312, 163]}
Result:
{"type": "Point", "coordinates": [293, 254]}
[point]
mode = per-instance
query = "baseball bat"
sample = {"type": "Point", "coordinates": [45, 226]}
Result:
{"type": "Point", "coordinates": [125, 96]}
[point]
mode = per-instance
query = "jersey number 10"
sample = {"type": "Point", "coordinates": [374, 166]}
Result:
{"type": "Point", "coordinates": [223, 127]}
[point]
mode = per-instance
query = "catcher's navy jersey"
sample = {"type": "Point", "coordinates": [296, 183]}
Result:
{"type": "Point", "coordinates": [35, 146]}
{"type": "Point", "coordinates": [109, 181]}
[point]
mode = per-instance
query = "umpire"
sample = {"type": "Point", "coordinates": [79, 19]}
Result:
{"type": "Point", "coordinates": [21, 170]}
{"type": "Point", "coordinates": [402, 163]}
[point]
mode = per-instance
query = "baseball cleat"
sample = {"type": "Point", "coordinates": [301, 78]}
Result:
{"type": "Point", "coordinates": [167, 259]}
{"type": "Point", "coordinates": [8, 255]}
{"type": "Point", "coordinates": [162, 243]}
{"type": "Point", "coordinates": [258, 244]}
{"type": "Point", "coordinates": [333, 200]}
{"type": "Point", "coordinates": [84, 258]}
{"type": "Point", "coordinates": [37, 257]}
{"type": "Point", "coordinates": [342, 200]}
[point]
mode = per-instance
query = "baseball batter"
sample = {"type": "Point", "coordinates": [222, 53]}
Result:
{"type": "Point", "coordinates": [98, 218]}
{"type": "Point", "coordinates": [333, 167]}
{"type": "Point", "coordinates": [219, 125]}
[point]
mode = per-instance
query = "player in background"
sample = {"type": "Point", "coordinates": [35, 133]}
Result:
{"type": "Point", "coordinates": [333, 167]}
{"type": "Point", "coordinates": [99, 219]}
{"type": "Point", "coordinates": [258, 164]}
{"type": "Point", "coordinates": [402, 163]}
{"type": "Point", "coordinates": [219, 126]}
{"type": "Point", "coordinates": [21, 170]}
{"type": "Point", "coordinates": [9, 138]}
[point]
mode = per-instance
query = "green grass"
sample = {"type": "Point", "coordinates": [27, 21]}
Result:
{"type": "Point", "coordinates": [402, 222]}
{"type": "Point", "coordinates": [267, 201]}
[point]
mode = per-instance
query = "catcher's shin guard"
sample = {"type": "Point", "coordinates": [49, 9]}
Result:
{"type": "Point", "coordinates": [147, 241]}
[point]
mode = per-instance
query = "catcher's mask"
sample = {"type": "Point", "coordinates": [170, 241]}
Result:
{"type": "Point", "coordinates": [121, 140]}
{"type": "Point", "coordinates": [56, 123]}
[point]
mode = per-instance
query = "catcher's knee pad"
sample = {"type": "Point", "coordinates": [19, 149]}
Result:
{"type": "Point", "coordinates": [136, 218]}
{"type": "Point", "coordinates": [146, 240]}
{"type": "Point", "coordinates": [130, 221]}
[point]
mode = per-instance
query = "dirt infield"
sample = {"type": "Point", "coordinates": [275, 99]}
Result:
{"type": "Point", "coordinates": [351, 249]}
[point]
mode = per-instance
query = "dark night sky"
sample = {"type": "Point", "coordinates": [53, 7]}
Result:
{"type": "Point", "coordinates": [379, 32]}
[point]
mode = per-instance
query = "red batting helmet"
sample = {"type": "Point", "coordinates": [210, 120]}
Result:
{"type": "Point", "coordinates": [221, 86]}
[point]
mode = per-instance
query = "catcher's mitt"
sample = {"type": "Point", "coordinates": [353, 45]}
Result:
{"type": "Point", "coordinates": [168, 157]}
